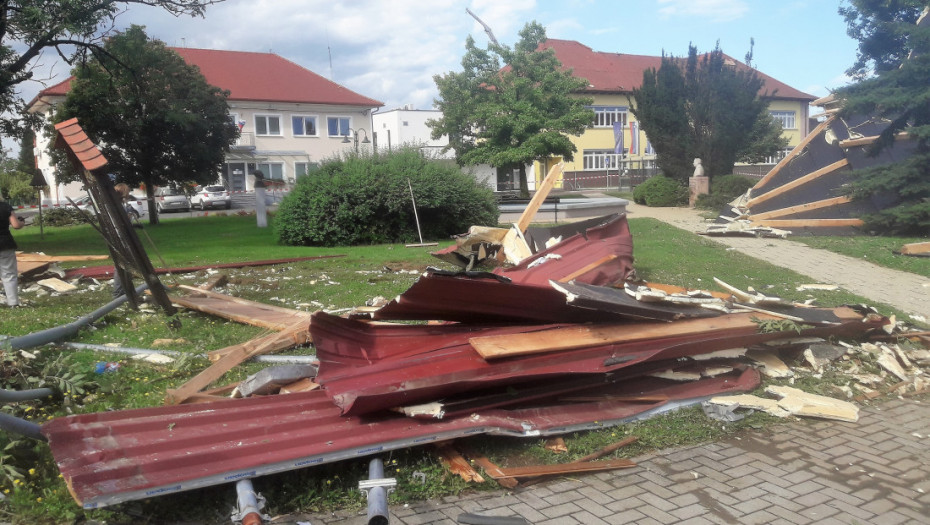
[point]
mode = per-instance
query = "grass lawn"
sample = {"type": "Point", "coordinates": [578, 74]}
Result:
{"type": "Point", "coordinates": [663, 253]}
{"type": "Point", "coordinates": [876, 250]}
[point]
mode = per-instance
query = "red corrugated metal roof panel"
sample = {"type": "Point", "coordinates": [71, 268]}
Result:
{"type": "Point", "coordinates": [111, 457]}
{"type": "Point", "coordinates": [81, 147]}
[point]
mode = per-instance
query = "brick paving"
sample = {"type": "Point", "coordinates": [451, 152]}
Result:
{"type": "Point", "coordinates": [875, 471]}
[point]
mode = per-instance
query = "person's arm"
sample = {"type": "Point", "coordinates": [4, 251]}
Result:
{"type": "Point", "coordinates": [15, 222]}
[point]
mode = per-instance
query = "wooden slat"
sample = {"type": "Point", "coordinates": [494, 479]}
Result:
{"type": "Point", "coordinates": [573, 337]}
{"type": "Point", "coordinates": [868, 141]}
{"type": "Point", "coordinates": [284, 340]}
{"type": "Point", "coordinates": [574, 275]}
{"type": "Point", "coordinates": [38, 257]}
{"type": "Point", "coordinates": [809, 223]}
{"type": "Point", "coordinates": [491, 469]}
{"type": "Point", "coordinates": [541, 193]}
{"type": "Point", "coordinates": [228, 362]}
{"type": "Point", "coordinates": [915, 248]}
{"type": "Point", "coordinates": [800, 208]}
{"type": "Point", "coordinates": [784, 188]}
{"type": "Point", "coordinates": [240, 310]}
{"type": "Point", "coordinates": [564, 468]}
{"type": "Point", "coordinates": [795, 152]}
{"type": "Point", "coordinates": [457, 464]}
{"type": "Point", "coordinates": [671, 288]}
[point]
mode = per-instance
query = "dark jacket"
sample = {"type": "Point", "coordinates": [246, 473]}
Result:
{"type": "Point", "coordinates": [6, 238]}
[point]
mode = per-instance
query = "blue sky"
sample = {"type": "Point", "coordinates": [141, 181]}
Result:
{"type": "Point", "coordinates": [391, 49]}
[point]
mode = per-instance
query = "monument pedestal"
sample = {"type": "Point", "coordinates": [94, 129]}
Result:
{"type": "Point", "coordinates": [698, 186]}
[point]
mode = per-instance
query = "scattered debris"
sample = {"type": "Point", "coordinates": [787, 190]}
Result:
{"type": "Point", "coordinates": [917, 249]}
{"type": "Point", "coordinates": [821, 287]}
{"type": "Point", "coordinates": [745, 228]}
{"type": "Point", "coordinates": [57, 285]}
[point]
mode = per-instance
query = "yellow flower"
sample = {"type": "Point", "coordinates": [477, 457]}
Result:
{"type": "Point", "coordinates": [6, 491]}
{"type": "Point", "coordinates": [32, 472]}
{"type": "Point", "coordinates": [39, 499]}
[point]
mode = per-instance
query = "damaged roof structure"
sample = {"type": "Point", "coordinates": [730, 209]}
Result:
{"type": "Point", "coordinates": [527, 350]}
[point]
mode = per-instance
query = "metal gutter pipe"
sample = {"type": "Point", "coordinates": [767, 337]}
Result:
{"type": "Point", "coordinates": [376, 488]}
{"type": "Point", "coordinates": [22, 427]}
{"type": "Point", "coordinates": [249, 504]}
{"type": "Point", "coordinates": [60, 332]}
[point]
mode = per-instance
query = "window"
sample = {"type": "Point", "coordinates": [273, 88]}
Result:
{"type": "Point", "coordinates": [301, 168]}
{"type": "Point", "coordinates": [605, 116]}
{"type": "Point", "coordinates": [268, 125]}
{"type": "Point", "coordinates": [600, 159]}
{"type": "Point", "coordinates": [272, 170]}
{"type": "Point", "coordinates": [304, 126]}
{"type": "Point", "coordinates": [785, 118]}
{"type": "Point", "coordinates": [338, 126]}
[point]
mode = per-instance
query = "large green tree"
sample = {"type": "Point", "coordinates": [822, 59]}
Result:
{"type": "Point", "coordinates": [894, 64]}
{"type": "Point", "coordinates": [705, 107]}
{"type": "Point", "coordinates": [68, 27]}
{"type": "Point", "coordinates": [155, 118]}
{"type": "Point", "coordinates": [510, 107]}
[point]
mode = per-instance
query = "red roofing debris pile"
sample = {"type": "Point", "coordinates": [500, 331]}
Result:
{"type": "Point", "coordinates": [550, 345]}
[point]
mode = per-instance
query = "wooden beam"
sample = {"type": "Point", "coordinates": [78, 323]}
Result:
{"type": "Point", "coordinates": [795, 152]}
{"type": "Point", "coordinates": [39, 257]}
{"type": "Point", "coordinates": [784, 188]}
{"type": "Point", "coordinates": [284, 340]}
{"type": "Point", "coordinates": [226, 363]}
{"type": "Point", "coordinates": [574, 275]}
{"type": "Point", "coordinates": [491, 469]}
{"type": "Point", "coordinates": [573, 337]}
{"type": "Point", "coordinates": [457, 464]}
{"type": "Point", "coordinates": [541, 193]}
{"type": "Point", "coordinates": [809, 223]}
{"type": "Point", "coordinates": [915, 248]}
{"type": "Point", "coordinates": [800, 208]}
{"type": "Point", "coordinates": [868, 141]}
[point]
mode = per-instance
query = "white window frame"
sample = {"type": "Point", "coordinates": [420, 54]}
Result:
{"type": "Point", "coordinates": [788, 119]}
{"type": "Point", "coordinates": [265, 167]}
{"type": "Point", "coordinates": [267, 117]}
{"type": "Point", "coordinates": [600, 159]}
{"type": "Point", "coordinates": [339, 117]}
{"type": "Point", "coordinates": [316, 119]}
{"type": "Point", "coordinates": [605, 116]}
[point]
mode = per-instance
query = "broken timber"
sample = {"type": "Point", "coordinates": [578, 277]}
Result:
{"type": "Point", "coordinates": [238, 309]}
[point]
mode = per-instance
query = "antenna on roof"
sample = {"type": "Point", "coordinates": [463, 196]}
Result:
{"type": "Point", "coordinates": [330, 51]}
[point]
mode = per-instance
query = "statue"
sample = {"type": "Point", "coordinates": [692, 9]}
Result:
{"type": "Point", "coordinates": [698, 168]}
{"type": "Point", "coordinates": [261, 216]}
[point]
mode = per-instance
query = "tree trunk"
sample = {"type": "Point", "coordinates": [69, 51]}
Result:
{"type": "Point", "coordinates": [524, 189]}
{"type": "Point", "coordinates": [150, 199]}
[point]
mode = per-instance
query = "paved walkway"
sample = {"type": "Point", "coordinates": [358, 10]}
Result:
{"type": "Point", "coordinates": [876, 471]}
{"type": "Point", "coordinates": [905, 291]}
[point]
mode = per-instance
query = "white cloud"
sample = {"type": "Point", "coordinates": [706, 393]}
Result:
{"type": "Point", "coordinates": [710, 10]}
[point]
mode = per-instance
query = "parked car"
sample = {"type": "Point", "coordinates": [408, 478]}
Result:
{"type": "Point", "coordinates": [171, 199]}
{"type": "Point", "coordinates": [211, 197]}
{"type": "Point", "coordinates": [135, 206]}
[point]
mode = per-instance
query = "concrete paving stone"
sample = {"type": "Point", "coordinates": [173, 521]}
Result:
{"type": "Point", "coordinates": [565, 497]}
{"type": "Point", "coordinates": [592, 483]}
{"type": "Point", "coordinates": [561, 520]}
{"type": "Point", "coordinates": [658, 478]}
{"type": "Point", "coordinates": [526, 511]}
{"type": "Point", "coordinates": [757, 518]}
{"type": "Point", "coordinates": [683, 500]}
{"type": "Point", "coordinates": [689, 511]}
{"type": "Point", "coordinates": [501, 500]}
{"type": "Point", "coordinates": [820, 512]}
{"type": "Point", "coordinates": [791, 514]}
{"type": "Point", "coordinates": [798, 477]}
{"type": "Point", "coordinates": [622, 505]}
{"type": "Point", "coordinates": [697, 520]}
{"type": "Point", "coordinates": [894, 518]}
{"type": "Point", "coordinates": [857, 512]}
{"type": "Point", "coordinates": [632, 479]}
{"type": "Point", "coordinates": [872, 466]}
{"type": "Point", "coordinates": [626, 516]}
{"type": "Point", "coordinates": [627, 492]}
{"type": "Point", "coordinates": [424, 517]}
{"type": "Point", "coordinates": [879, 506]}
{"type": "Point", "coordinates": [843, 496]}
{"type": "Point", "coordinates": [706, 472]}
{"type": "Point", "coordinates": [744, 481]}
{"type": "Point", "coordinates": [588, 519]}
{"type": "Point", "coordinates": [738, 461]}
{"type": "Point", "coordinates": [657, 490]}
{"type": "Point", "coordinates": [903, 500]}
{"type": "Point", "coordinates": [658, 502]}
{"type": "Point", "coordinates": [598, 510]}
{"type": "Point", "coordinates": [565, 509]}
{"type": "Point", "coordinates": [895, 453]}
{"type": "Point", "coordinates": [768, 472]}
{"type": "Point", "coordinates": [770, 488]}
{"type": "Point", "coordinates": [906, 465]}
{"type": "Point", "coordinates": [562, 486]}
{"type": "Point", "coordinates": [532, 498]}
{"type": "Point", "coordinates": [657, 514]}
{"type": "Point", "coordinates": [917, 514]}
{"type": "Point", "coordinates": [810, 499]}
{"type": "Point", "coordinates": [595, 495]}
{"type": "Point", "coordinates": [783, 521]}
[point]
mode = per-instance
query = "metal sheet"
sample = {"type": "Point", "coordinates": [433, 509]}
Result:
{"type": "Point", "coordinates": [111, 457]}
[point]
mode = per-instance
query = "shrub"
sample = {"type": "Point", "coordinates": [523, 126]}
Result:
{"type": "Point", "coordinates": [365, 199]}
{"type": "Point", "coordinates": [65, 216]}
{"type": "Point", "coordinates": [723, 189]}
{"type": "Point", "coordinates": [660, 191]}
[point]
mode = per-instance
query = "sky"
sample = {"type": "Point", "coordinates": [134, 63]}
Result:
{"type": "Point", "coordinates": [390, 50]}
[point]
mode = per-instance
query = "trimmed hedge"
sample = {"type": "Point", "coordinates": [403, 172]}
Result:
{"type": "Point", "coordinates": [660, 191]}
{"type": "Point", "coordinates": [365, 199]}
{"type": "Point", "coordinates": [723, 189]}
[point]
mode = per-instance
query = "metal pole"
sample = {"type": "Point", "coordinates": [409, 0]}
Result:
{"type": "Point", "coordinates": [415, 216]}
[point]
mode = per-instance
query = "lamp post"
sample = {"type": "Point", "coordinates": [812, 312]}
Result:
{"type": "Point", "coordinates": [38, 182]}
{"type": "Point", "coordinates": [355, 133]}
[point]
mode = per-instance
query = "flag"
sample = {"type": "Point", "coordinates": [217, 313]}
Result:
{"type": "Point", "coordinates": [634, 138]}
{"type": "Point", "coordinates": [649, 149]}
{"type": "Point", "coordinates": [618, 138]}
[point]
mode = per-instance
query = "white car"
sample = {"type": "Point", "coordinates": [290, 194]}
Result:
{"type": "Point", "coordinates": [211, 197]}
{"type": "Point", "coordinates": [135, 207]}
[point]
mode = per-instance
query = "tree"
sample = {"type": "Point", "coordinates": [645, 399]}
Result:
{"type": "Point", "coordinates": [71, 28]}
{"type": "Point", "coordinates": [510, 116]}
{"type": "Point", "coordinates": [155, 118]}
{"type": "Point", "coordinates": [707, 108]}
{"type": "Point", "coordinates": [16, 174]}
{"type": "Point", "coordinates": [895, 48]}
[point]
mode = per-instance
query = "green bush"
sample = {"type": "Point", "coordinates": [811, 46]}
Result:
{"type": "Point", "coordinates": [64, 216]}
{"type": "Point", "coordinates": [660, 191]}
{"type": "Point", "coordinates": [723, 189]}
{"type": "Point", "coordinates": [365, 199]}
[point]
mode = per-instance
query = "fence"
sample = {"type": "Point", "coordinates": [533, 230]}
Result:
{"type": "Point", "coordinates": [629, 174]}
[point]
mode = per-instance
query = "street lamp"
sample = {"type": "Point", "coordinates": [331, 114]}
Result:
{"type": "Point", "coordinates": [355, 133]}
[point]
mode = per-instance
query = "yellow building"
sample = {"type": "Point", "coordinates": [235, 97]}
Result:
{"type": "Point", "coordinates": [614, 152]}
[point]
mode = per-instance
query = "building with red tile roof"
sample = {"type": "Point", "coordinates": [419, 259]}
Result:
{"type": "Point", "coordinates": [289, 116]}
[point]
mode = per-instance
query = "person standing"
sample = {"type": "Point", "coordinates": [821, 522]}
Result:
{"type": "Point", "coordinates": [8, 270]}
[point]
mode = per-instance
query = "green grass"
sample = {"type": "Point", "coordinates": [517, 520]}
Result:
{"type": "Point", "coordinates": [876, 250]}
{"type": "Point", "coordinates": [663, 253]}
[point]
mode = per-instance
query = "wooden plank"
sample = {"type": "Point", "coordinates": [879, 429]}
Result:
{"type": "Point", "coordinates": [240, 310]}
{"type": "Point", "coordinates": [39, 257]}
{"type": "Point", "coordinates": [457, 464]}
{"type": "Point", "coordinates": [215, 295]}
{"type": "Point", "coordinates": [565, 468]}
{"type": "Point", "coordinates": [795, 152]}
{"type": "Point", "coordinates": [606, 450]}
{"type": "Point", "coordinates": [574, 275]}
{"type": "Point", "coordinates": [283, 341]}
{"type": "Point", "coordinates": [868, 141]}
{"type": "Point", "coordinates": [490, 469]}
{"type": "Point", "coordinates": [226, 363]}
{"type": "Point", "coordinates": [915, 248]}
{"type": "Point", "coordinates": [800, 208]}
{"type": "Point", "coordinates": [800, 181]}
{"type": "Point", "coordinates": [541, 193]}
{"type": "Point", "coordinates": [809, 223]}
{"type": "Point", "coordinates": [672, 289]}
{"type": "Point", "coordinates": [573, 337]}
